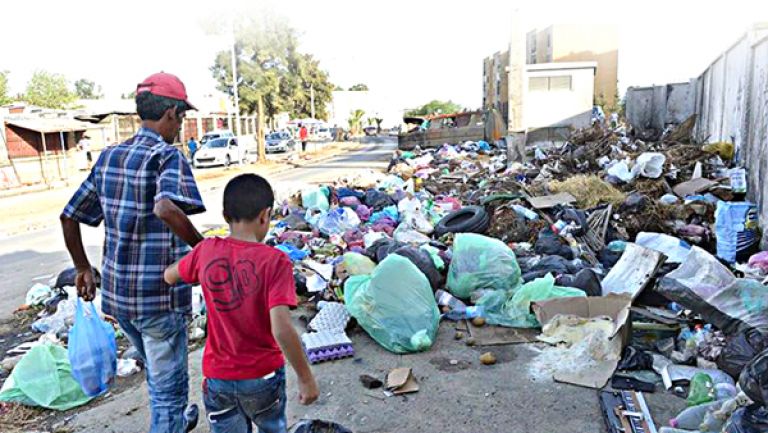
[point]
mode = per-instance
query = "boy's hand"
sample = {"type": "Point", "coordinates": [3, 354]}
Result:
{"type": "Point", "coordinates": [308, 391]}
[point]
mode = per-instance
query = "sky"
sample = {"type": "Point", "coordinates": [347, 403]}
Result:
{"type": "Point", "coordinates": [413, 51]}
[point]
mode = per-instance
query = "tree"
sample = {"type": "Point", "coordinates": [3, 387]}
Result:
{"type": "Point", "coordinates": [49, 90]}
{"type": "Point", "coordinates": [360, 87]}
{"type": "Point", "coordinates": [378, 121]}
{"type": "Point", "coordinates": [355, 121]}
{"type": "Point", "coordinates": [435, 107]}
{"type": "Point", "coordinates": [272, 73]}
{"type": "Point", "coordinates": [87, 89]}
{"type": "Point", "coordinates": [338, 88]}
{"type": "Point", "coordinates": [4, 98]}
{"type": "Point", "coordinates": [130, 95]}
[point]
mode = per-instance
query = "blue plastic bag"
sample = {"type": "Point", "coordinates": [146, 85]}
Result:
{"type": "Point", "coordinates": [92, 351]}
{"type": "Point", "coordinates": [293, 253]}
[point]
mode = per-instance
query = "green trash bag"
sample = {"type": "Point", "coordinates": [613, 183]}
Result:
{"type": "Point", "coordinates": [512, 308]}
{"type": "Point", "coordinates": [315, 199]}
{"type": "Point", "coordinates": [357, 264]}
{"type": "Point", "coordinates": [702, 389]}
{"type": "Point", "coordinates": [394, 305]}
{"type": "Point", "coordinates": [480, 262]}
{"type": "Point", "coordinates": [43, 377]}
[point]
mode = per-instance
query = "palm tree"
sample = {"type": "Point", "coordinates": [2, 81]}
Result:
{"type": "Point", "coordinates": [355, 120]}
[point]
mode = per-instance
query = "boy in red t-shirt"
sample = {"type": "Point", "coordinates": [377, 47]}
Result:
{"type": "Point", "coordinates": [248, 288]}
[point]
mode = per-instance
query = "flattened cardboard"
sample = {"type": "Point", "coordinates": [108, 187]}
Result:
{"type": "Point", "coordinates": [693, 186]}
{"type": "Point", "coordinates": [595, 377]}
{"type": "Point", "coordinates": [634, 270]}
{"type": "Point", "coordinates": [615, 306]}
{"type": "Point", "coordinates": [550, 201]}
{"type": "Point", "coordinates": [401, 381]}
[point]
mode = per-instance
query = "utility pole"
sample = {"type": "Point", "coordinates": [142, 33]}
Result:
{"type": "Point", "coordinates": [235, 130]}
{"type": "Point", "coordinates": [312, 99]}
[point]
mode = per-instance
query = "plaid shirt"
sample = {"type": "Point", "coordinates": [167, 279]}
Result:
{"type": "Point", "coordinates": [122, 190]}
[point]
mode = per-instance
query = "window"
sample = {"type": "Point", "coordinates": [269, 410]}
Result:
{"type": "Point", "coordinates": [543, 84]}
{"type": "Point", "coordinates": [538, 84]}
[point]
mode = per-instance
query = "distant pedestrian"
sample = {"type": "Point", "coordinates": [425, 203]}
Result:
{"type": "Point", "coordinates": [84, 145]}
{"type": "Point", "coordinates": [143, 190]}
{"type": "Point", "coordinates": [192, 146]}
{"type": "Point", "coordinates": [303, 137]}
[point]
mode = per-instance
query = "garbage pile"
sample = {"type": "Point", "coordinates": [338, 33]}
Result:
{"type": "Point", "coordinates": [71, 355]}
{"type": "Point", "coordinates": [638, 261]}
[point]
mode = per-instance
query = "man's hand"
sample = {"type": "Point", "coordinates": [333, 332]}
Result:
{"type": "Point", "coordinates": [86, 285]}
{"type": "Point", "coordinates": [308, 391]}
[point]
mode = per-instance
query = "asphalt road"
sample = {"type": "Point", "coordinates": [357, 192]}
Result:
{"type": "Point", "coordinates": [37, 256]}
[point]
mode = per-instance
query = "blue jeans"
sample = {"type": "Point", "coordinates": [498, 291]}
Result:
{"type": "Point", "coordinates": [232, 406]}
{"type": "Point", "coordinates": [162, 342]}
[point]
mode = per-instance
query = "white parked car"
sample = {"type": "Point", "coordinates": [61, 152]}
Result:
{"type": "Point", "coordinates": [222, 133]}
{"type": "Point", "coordinates": [219, 151]}
{"type": "Point", "coordinates": [323, 134]}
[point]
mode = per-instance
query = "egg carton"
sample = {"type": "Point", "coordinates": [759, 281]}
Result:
{"type": "Point", "coordinates": [332, 317]}
{"type": "Point", "coordinates": [326, 346]}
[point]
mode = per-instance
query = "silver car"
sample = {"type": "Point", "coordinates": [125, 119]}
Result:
{"type": "Point", "coordinates": [279, 142]}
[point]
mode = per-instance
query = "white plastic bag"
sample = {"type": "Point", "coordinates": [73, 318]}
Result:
{"type": "Point", "coordinates": [649, 164]}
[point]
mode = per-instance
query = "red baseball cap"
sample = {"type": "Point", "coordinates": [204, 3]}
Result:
{"type": "Point", "coordinates": [164, 84]}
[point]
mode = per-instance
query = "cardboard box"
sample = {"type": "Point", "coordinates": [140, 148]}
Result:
{"type": "Point", "coordinates": [615, 306]}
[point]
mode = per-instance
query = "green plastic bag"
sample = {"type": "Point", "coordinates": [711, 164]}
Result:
{"type": "Point", "coordinates": [480, 262]}
{"type": "Point", "coordinates": [43, 377]}
{"type": "Point", "coordinates": [394, 305]}
{"type": "Point", "coordinates": [358, 264]}
{"type": "Point", "coordinates": [702, 389]}
{"type": "Point", "coordinates": [315, 199]}
{"type": "Point", "coordinates": [512, 308]}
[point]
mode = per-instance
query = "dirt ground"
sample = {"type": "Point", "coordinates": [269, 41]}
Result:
{"type": "Point", "coordinates": [457, 394]}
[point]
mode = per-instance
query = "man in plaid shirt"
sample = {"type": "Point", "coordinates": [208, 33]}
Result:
{"type": "Point", "coordinates": [143, 190]}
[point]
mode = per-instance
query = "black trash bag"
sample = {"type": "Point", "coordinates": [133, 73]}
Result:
{"type": "Point", "coordinates": [296, 221]}
{"type": "Point", "coordinates": [609, 258]}
{"type": "Point", "coordinates": [554, 264]}
{"type": "Point", "coordinates": [740, 349]}
{"type": "Point", "coordinates": [750, 419]}
{"type": "Point", "coordinates": [530, 276]}
{"type": "Point", "coordinates": [301, 283]}
{"type": "Point", "coordinates": [586, 280]}
{"type": "Point", "coordinates": [635, 203]}
{"type": "Point", "coordinates": [754, 379]}
{"type": "Point", "coordinates": [423, 261]}
{"type": "Point", "coordinates": [318, 426]}
{"type": "Point", "coordinates": [548, 243]}
{"type": "Point", "coordinates": [382, 248]}
{"type": "Point", "coordinates": [378, 200]}
{"type": "Point", "coordinates": [633, 358]}
{"type": "Point", "coordinates": [67, 278]}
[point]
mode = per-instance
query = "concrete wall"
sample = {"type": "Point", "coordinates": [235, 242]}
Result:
{"type": "Point", "coordinates": [559, 108]}
{"type": "Point", "coordinates": [653, 108]}
{"type": "Point", "coordinates": [731, 103]}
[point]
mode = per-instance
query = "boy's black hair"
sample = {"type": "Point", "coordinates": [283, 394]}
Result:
{"type": "Point", "coordinates": [245, 196]}
{"type": "Point", "coordinates": [152, 107]}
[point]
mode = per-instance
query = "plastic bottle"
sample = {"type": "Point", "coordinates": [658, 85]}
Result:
{"type": "Point", "coordinates": [692, 417]}
{"type": "Point", "coordinates": [458, 309]}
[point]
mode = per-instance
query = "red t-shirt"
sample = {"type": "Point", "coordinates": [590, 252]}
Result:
{"type": "Point", "coordinates": [242, 281]}
{"type": "Point", "coordinates": [303, 133]}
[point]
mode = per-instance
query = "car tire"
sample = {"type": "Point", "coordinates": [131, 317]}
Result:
{"type": "Point", "coordinates": [471, 219]}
